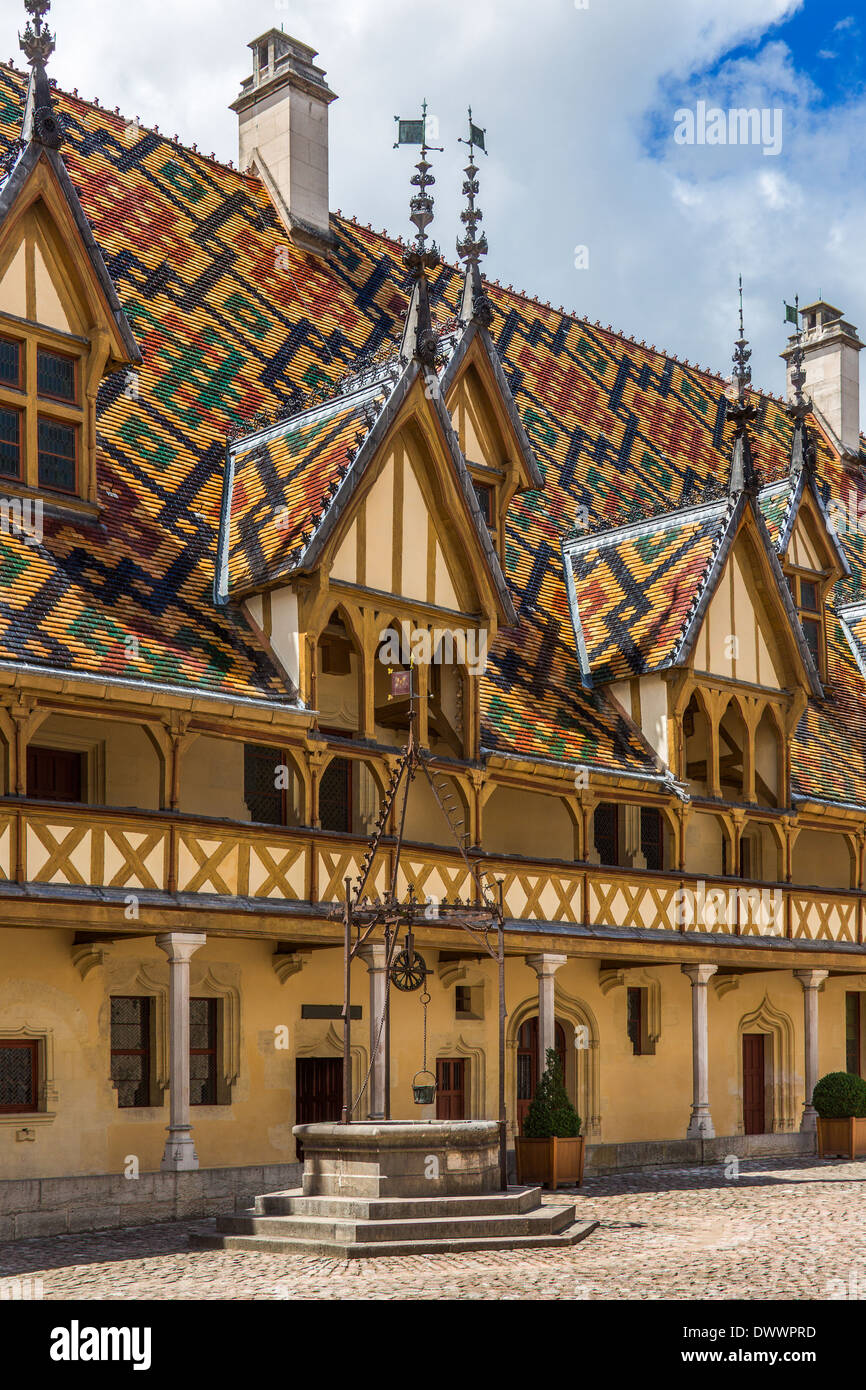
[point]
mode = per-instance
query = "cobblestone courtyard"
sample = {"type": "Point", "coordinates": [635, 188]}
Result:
{"type": "Point", "coordinates": [788, 1229]}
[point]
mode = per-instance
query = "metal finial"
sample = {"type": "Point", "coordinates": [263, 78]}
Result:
{"type": "Point", "coordinates": [414, 132]}
{"type": "Point", "coordinates": [742, 353]}
{"type": "Point", "coordinates": [41, 122]}
{"type": "Point", "coordinates": [474, 303]}
{"type": "Point", "coordinates": [802, 443]}
{"type": "Point", "coordinates": [36, 43]}
{"type": "Point", "coordinates": [800, 406]}
{"type": "Point", "coordinates": [472, 247]}
{"type": "Point", "coordinates": [419, 339]}
{"type": "Point", "coordinates": [741, 412]}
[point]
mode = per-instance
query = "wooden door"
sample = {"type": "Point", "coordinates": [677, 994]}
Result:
{"type": "Point", "coordinates": [450, 1088]}
{"type": "Point", "coordinates": [527, 1064]}
{"type": "Point", "coordinates": [754, 1118]}
{"type": "Point", "coordinates": [53, 774]}
{"type": "Point", "coordinates": [318, 1090]}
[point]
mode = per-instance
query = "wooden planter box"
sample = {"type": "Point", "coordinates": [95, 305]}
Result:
{"type": "Point", "coordinates": [550, 1161]}
{"type": "Point", "coordinates": [845, 1138]}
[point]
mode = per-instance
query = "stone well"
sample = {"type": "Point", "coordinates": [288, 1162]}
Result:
{"type": "Point", "coordinates": [398, 1158]}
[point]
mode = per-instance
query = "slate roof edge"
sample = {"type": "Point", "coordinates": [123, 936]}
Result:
{"type": "Point", "coordinates": [189, 692]}
{"type": "Point", "coordinates": [571, 764]}
{"type": "Point", "coordinates": [221, 568]}
{"type": "Point", "coordinates": [499, 581]}
{"type": "Point", "coordinates": [788, 603]}
{"type": "Point", "coordinates": [831, 529]}
{"type": "Point", "coordinates": [698, 511]}
{"type": "Point", "coordinates": [822, 801]}
{"type": "Point", "coordinates": [376, 433]}
{"type": "Point", "coordinates": [11, 189]}
{"type": "Point", "coordinates": [707, 583]}
{"type": "Point", "coordinates": [574, 614]}
{"type": "Point", "coordinates": [464, 342]}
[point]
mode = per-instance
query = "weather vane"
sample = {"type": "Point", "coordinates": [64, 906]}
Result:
{"type": "Point", "coordinates": [471, 247]}
{"type": "Point", "coordinates": [419, 338]}
{"type": "Point", "coordinates": [800, 406]}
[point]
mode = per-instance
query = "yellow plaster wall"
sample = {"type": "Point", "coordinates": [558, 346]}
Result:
{"type": "Point", "coordinates": [528, 823]}
{"type": "Point", "coordinates": [637, 1098]}
{"type": "Point", "coordinates": [731, 641]}
{"type": "Point", "coordinates": [801, 549]}
{"type": "Point", "coordinates": [703, 844]}
{"type": "Point", "coordinates": [13, 285]}
{"type": "Point", "coordinates": [821, 858]}
{"type": "Point", "coordinates": [400, 538]}
{"type": "Point", "coordinates": [123, 766]}
{"type": "Point", "coordinates": [212, 778]}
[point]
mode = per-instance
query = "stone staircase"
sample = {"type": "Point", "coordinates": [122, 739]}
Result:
{"type": "Point", "coordinates": [360, 1227]}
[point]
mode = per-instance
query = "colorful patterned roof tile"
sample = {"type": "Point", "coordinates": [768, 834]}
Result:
{"type": "Point", "coordinates": [282, 480]}
{"type": "Point", "coordinates": [635, 588]}
{"type": "Point", "coordinates": [233, 320]}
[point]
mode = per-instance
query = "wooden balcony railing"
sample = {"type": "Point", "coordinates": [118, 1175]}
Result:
{"type": "Point", "coordinates": [142, 850]}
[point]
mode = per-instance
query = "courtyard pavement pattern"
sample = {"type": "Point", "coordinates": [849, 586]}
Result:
{"type": "Point", "coordinates": [784, 1228]}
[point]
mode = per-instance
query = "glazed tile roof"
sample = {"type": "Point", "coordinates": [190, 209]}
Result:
{"type": "Point", "coordinates": [233, 320]}
{"type": "Point", "coordinates": [281, 480]}
{"type": "Point", "coordinates": [635, 588]}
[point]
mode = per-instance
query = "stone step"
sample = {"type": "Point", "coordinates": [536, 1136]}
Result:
{"type": "Point", "coordinates": [275, 1245]}
{"type": "Point", "coordinates": [293, 1203]}
{"type": "Point", "coordinates": [545, 1220]}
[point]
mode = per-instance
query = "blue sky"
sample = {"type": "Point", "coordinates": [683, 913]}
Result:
{"type": "Point", "coordinates": [579, 98]}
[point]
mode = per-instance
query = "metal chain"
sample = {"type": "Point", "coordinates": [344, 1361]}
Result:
{"type": "Point", "coordinates": [425, 1000]}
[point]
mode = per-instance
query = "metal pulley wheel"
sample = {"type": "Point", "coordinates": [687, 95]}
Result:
{"type": "Point", "coordinates": [409, 971]}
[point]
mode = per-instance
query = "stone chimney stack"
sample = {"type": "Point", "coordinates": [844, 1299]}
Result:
{"type": "Point", "coordinates": [283, 135]}
{"type": "Point", "coordinates": [830, 361]}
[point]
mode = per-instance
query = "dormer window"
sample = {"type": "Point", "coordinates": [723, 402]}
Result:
{"type": "Point", "coordinates": [484, 493]}
{"type": "Point", "coordinates": [11, 363]}
{"type": "Point", "coordinates": [56, 377]}
{"type": "Point", "coordinates": [58, 455]}
{"type": "Point", "coordinates": [807, 593]}
{"type": "Point", "coordinates": [11, 432]}
{"type": "Point", "coordinates": [41, 416]}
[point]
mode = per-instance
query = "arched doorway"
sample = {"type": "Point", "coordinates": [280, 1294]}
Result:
{"type": "Point", "coordinates": [528, 1064]}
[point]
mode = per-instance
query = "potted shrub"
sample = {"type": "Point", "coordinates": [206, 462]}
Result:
{"type": "Point", "coordinates": [840, 1100]}
{"type": "Point", "coordinates": [550, 1150]}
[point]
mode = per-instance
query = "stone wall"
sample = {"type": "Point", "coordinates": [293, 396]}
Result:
{"type": "Point", "coordinates": [610, 1158]}
{"type": "Point", "coordinates": [57, 1206]}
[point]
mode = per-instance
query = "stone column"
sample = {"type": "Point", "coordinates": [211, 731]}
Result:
{"type": "Point", "coordinates": [179, 946]}
{"type": "Point", "coordinates": [811, 980]}
{"type": "Point", "coordinates": [700, 1121]}
{"type": "Point", "coordinates": [374, 957]}
{"type": "Point", "coordinates": [545, 966]}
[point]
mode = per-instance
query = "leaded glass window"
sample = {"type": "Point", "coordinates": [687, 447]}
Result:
{"type": "Point", "coordinates": [55, 376]}
{"type": "Point", "coordinates": [58, 447]}
{"type": "Point", "coordinates": [19, 1075]}
{"type": "Point", "coordinates": [130, 1049]}
{"type": "Point", "coordinates": [203, 1051]}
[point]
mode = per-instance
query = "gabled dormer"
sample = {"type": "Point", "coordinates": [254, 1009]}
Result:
{"type": "Point", "coordinates": [806, 538]}
{"type": "Point", "coordinates": [499, 456]}
{"type": "Point", "coordinates": [62, 328]}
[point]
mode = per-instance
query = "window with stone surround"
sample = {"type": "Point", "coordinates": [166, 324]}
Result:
{"type": "Point", "coordinates": [132, 1050]}
{"type": "Point", "coordinates": [19, 1076]}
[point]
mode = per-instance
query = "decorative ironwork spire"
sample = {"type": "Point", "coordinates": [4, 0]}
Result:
{"type": "Point", "coordinates": [802, 443]}
{"type": "Point", "coordinates": [419, 339]}
{"type": "Point", "coordinates": [474, 303]}
{"type": "Point", "coordinates": [41, 122]}
{"type": "Point", "coordinates": [741, 412]}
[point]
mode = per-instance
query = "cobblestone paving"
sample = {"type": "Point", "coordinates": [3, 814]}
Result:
{"type": "Point", "coordinates": [786, 1228]}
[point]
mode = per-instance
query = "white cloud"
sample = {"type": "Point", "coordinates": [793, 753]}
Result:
{"type": "Point", "coordinates": [579, 110]}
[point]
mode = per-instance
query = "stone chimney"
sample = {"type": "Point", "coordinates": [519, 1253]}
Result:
{"type": "Point", "coordinates": [283, 134]}
{"type": "Point", "coordinates": [830, 352]}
